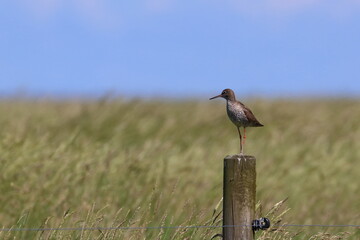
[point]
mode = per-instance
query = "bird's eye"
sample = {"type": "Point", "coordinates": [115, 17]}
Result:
{"type": "Point", "coordinates": [223, 92]}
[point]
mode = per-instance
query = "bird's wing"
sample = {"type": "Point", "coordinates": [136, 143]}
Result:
{"type": "Point", "coordinates": [251, 118]}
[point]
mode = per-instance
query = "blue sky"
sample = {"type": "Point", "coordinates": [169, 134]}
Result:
{"type": "Point", "coordinates": [178, 48]}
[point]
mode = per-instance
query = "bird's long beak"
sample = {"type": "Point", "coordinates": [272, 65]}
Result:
{"type": "Point", "coordinates": [215, 97]}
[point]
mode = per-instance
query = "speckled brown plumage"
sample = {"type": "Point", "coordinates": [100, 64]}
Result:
{"type": "Point", "coordinates": [238, 113]}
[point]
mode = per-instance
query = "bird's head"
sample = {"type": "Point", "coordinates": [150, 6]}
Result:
{"type": "Point", "coordinates": [228, 94]}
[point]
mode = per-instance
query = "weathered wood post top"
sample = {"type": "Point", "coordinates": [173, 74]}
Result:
{"type": "Point", "coordinates": [239, 197]}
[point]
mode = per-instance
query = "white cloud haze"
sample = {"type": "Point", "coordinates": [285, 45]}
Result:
{"type": "Point", "coordinates": [101, 13]}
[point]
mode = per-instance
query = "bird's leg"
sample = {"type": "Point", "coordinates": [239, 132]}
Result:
{"type": "Point", "coordinates": [241, 146]}
{"type": "Point", "coordinates": [243, 140]}
{"type": "Point", "coordinates": [244, 137]}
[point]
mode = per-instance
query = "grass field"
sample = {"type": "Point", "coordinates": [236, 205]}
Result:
{"type": "Point", "coordinates": [112, 163]}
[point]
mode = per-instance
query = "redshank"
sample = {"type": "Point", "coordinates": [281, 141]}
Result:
{"type": "Point", "coordinates": [239, 114]}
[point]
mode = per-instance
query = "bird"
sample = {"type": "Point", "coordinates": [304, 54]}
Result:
{"type": "Point", "coordinates": [239, 114]}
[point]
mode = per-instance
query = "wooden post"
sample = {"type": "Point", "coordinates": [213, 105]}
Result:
{"type": "Point", "coordinates": [239, 197]}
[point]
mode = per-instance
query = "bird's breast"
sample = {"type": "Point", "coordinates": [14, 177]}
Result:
{"type": "Point", "coordinates": [236, 114]}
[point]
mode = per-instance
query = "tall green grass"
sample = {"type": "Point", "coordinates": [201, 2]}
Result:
{"type": "Point", "coordinates": [112, 163]}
